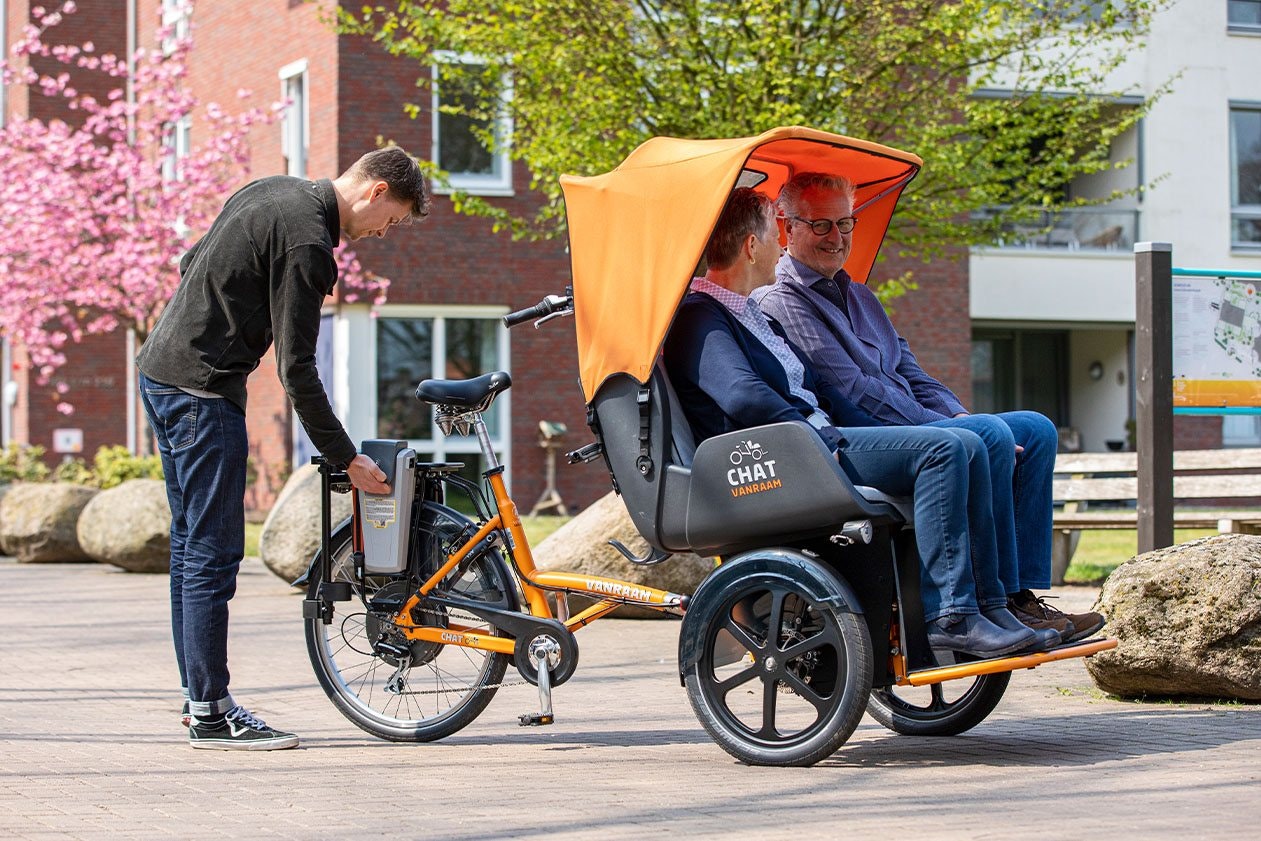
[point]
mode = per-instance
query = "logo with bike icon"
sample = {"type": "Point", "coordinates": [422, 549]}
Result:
{"type": "Point", "coordinates": [752, 471]}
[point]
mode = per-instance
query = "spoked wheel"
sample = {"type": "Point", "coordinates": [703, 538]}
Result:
{"type": "Point", "coordinates": [939, 709]}
{"type": "Point", "coordinates": [406, 690]}
{"type": "Point", "coordinates": [776, 665]}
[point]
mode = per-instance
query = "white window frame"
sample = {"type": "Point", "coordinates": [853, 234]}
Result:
{"type": "Point", "coordinates": [295, 147]}
{"type": "Point", "coordinates": [1247, 211]}
{"type": "Point", "coordinates": [180, 142]}
{"type": "Point", "coordinates": [176, 14]}
{"type": "Point", "coordinates": [496, 184]}
{"type": "Point", "coordinates": [444, 447]}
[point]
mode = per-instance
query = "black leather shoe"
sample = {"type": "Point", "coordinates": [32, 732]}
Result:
{"type": "Point", "coordinates": [974, 634]}
{"type": "Point", "coordinates": [1047, 638]}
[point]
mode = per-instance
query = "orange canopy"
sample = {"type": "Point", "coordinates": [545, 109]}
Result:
{"type": "Point", "coordinates": [637, 233]}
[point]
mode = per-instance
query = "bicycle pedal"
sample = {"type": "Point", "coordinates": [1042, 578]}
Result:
{"type": "Point", "coordinates": [534, 720]}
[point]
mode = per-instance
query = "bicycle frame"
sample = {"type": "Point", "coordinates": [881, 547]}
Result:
{"type": "Point", "coordinates": [610, 593]}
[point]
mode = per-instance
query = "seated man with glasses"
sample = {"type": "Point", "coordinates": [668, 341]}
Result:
{"type": "Point", "coordinates": [733, 370]}
{"type": "Point", "coordinates": [844, 331]}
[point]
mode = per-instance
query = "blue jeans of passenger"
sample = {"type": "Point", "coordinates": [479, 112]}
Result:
{"type": "Point", "coordinates": [203, 446]}
{"type": "Point", "coordinates": [1021, 501]}
{"type": "Point", "coordinates": [941, 470]}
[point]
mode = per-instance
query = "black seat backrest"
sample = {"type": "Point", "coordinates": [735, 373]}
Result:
{"type": "Point", "coordinates": [655, 488]}
{"type": "Point", "coordinates": [710, 498]}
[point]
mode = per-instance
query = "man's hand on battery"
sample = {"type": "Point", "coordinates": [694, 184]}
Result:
{"type": "Point", "coordinates": [366, 476]}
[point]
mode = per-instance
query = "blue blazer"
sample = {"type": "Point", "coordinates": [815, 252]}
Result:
{"type": "Point", "coordinates": [727, 380]}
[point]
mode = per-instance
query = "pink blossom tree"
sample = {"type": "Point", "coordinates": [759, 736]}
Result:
{"type": "Point", "coordinates": [107, 206]}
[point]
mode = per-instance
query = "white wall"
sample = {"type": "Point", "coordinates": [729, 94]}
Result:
{"type": "Point", "coordinates": [1059, 286]}
{"type": "Point", "coordinates": [1099, 408]}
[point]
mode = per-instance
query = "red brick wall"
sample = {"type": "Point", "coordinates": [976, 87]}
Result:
{"type": "Point", "coordinates": [934, 318]}
{"type": "Point", "coordinates": [454, 259]}
{"type": "Point", "coordinates": [1191, 432]}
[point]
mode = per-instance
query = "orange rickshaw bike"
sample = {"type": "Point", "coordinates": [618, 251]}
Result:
{"type": "Point", "coordinates": [416, 608]}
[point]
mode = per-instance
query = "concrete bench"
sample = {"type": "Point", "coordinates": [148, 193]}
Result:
{"type": "Point", "coordinates": [1199, 475]}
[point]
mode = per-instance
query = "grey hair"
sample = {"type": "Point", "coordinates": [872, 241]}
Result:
{"type": "Point", "coordinates": [790, 195]}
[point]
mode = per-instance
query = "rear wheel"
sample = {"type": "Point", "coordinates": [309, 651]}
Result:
{"type": "Point", "coordinates": [939, 709]}
{"type": "Point", "coordinates": [410, 690]}
{"type": "Point", "coordinates": [776, 674]}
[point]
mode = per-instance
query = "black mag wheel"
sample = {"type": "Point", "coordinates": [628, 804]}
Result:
{"type": "Point", "coordinates": [405, 690]}
{"type": "Point", "coordinates": [777, 675]}
{"type": "Point", "coordinates": [939, 709]}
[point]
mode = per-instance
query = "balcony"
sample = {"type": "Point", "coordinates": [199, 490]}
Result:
{"type": "Point", "coordinates": [1091, 229]}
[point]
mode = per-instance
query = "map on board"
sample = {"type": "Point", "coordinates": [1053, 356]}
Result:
{"type": "Point", "coordinates": [1216, 342]}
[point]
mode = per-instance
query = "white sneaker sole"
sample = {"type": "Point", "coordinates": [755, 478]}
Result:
{"type": "Point", "coordinates": [241, 744]}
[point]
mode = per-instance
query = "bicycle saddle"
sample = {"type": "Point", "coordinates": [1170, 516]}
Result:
{"type": "Point", "coordinates": [464, 394]}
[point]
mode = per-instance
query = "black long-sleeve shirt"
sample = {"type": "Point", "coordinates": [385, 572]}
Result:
{"type": "Point", "coordinates": [262, 271]}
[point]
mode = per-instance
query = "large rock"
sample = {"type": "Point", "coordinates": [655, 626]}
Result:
{"type": "Point", "coordinates": [581, 546]}
{"type": "Point", "coordinates": [291, 533]}
{"type": "Point", "coordinates": [1188, 619]}
{"type": "Point", "coordinates": [38, 521]}
{"type": "Point", "coordinates": [129, 526]}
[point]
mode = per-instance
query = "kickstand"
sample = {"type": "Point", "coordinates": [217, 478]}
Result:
{"type": "Point", "coordinates": [542, 654]}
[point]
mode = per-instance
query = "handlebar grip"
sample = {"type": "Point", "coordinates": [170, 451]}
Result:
{"type": "Point", "coordinates": [539, 310]}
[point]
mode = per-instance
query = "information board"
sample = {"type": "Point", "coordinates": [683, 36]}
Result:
{"type": "Point", "coordinates": [1216, 343]}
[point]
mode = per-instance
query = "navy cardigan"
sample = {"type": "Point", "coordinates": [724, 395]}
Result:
{"type": "Point", "coordinates": [727, 380]}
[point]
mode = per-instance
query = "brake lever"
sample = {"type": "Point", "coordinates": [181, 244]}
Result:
{"type": "Point", "coordinates": [549, 317]}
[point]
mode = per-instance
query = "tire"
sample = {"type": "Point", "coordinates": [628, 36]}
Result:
{"type": "Point", "coordinates": [789, 628]}
{"type": "Point", "coordinates": [442, 688]}
{"type": "Point", "coordinates": [939, 709]}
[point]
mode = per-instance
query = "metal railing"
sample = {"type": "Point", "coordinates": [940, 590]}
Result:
{"type": "Point", "coordinates": [1072, 229]}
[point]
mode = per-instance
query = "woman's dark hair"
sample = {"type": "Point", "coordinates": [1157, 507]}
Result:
{"type": "Point", "coordinates": [400, 172]}
{"type": "Point", "coordinates": [746, 212]}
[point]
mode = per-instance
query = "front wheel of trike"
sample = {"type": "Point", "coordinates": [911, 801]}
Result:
{"type": "Point", "coordinates": [395, 688]}
{"type": "Point", "coordinates": [939, 709]}
{"type": "Point", "coordinates": [776, 659]}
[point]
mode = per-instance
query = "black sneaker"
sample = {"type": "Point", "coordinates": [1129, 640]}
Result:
{"type": "Point", "coordinates": [239, 730]}
{"type": "Point", "coordinates": [185, 718]}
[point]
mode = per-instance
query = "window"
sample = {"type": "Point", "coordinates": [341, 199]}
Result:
{"type": "Point", "coordinates": [175, 15]}
{"type": "Point", "coordinates": [295, 122]}
{"type": "Point", "coordinates": [1243, 15]}
{"type": "Point", "coordinates": [1020, 369]}
{"type": "Point", "coordinates": [1245, 177]}
{"type": "Point", "coordinates": [176, 144]}
{"type": "Point", "coordinates": [471, 147]}
{"type": "Point", "coordinates": [1241, 430]}
{"type": "Point", "coordinates": [458, 346]}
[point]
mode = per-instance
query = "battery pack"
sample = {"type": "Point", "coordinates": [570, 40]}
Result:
{"type": "Point", "coordinates": [387, 518]}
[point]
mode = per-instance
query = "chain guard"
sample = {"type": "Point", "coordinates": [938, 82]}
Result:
{"type": "Point", "coordinates": [559, 673]}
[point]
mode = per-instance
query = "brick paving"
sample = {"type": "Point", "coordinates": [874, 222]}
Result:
{"type": "Point", "coordinates": [91, 747]}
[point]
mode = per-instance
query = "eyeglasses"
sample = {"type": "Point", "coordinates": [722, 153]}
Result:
{"type": "Point", "coordinates": [823, 227]}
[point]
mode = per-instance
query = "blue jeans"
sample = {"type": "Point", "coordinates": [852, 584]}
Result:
{"type": "Point", "coordinates": [941, 470]}
{"type": "Point", "coordinates": [1021, 501]}
{"type": "Point", "coordinates": [203, 446]}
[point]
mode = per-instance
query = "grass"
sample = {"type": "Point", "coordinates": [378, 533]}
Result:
{"type": "Point", "coordinates": [1103, 550]}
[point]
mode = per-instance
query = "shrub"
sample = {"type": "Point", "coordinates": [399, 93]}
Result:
{"type": "Point", "coordinates": [114, 465]}
{"type": "Point", "coordinates": [22, 463]}
{"type": "Point", "coordinates": [73, 470]}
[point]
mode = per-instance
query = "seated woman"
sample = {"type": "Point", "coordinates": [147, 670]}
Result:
{"type": "Point", "coordinates": [732, 369]}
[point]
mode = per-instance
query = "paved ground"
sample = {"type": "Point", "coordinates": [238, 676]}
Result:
{"type": "Point", "coordinates": [90, 747]}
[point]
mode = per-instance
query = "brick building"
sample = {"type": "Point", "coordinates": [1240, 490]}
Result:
{"type": "Point", "coordinates": [452, 277]}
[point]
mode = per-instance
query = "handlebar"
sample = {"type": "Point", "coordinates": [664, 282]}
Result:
{"type": "Point", "coordinates": [550, 307]}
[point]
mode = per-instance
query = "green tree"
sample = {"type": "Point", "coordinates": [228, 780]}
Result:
{"type": "Point", "coordinates": [1006, 100]}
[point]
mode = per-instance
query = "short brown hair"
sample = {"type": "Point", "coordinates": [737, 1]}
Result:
{"type": "Point", "coordinates": [400, 172]}
{"type": "Point", "coordinates": [746, 212]}
{"type": "Point", "coordinates": [791, 193]}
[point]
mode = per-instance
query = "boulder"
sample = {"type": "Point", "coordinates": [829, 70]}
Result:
{"type": "Point", "coordinates": [581, 546]}
{"type": "Point", "coordinates": [129, 526]}
{"type": "Point", "coordinates": [1188, 619]}
{"type": "Point", "coordinates": [38, 521]}
{"type": "Point", "coordinates": [291, 532]}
